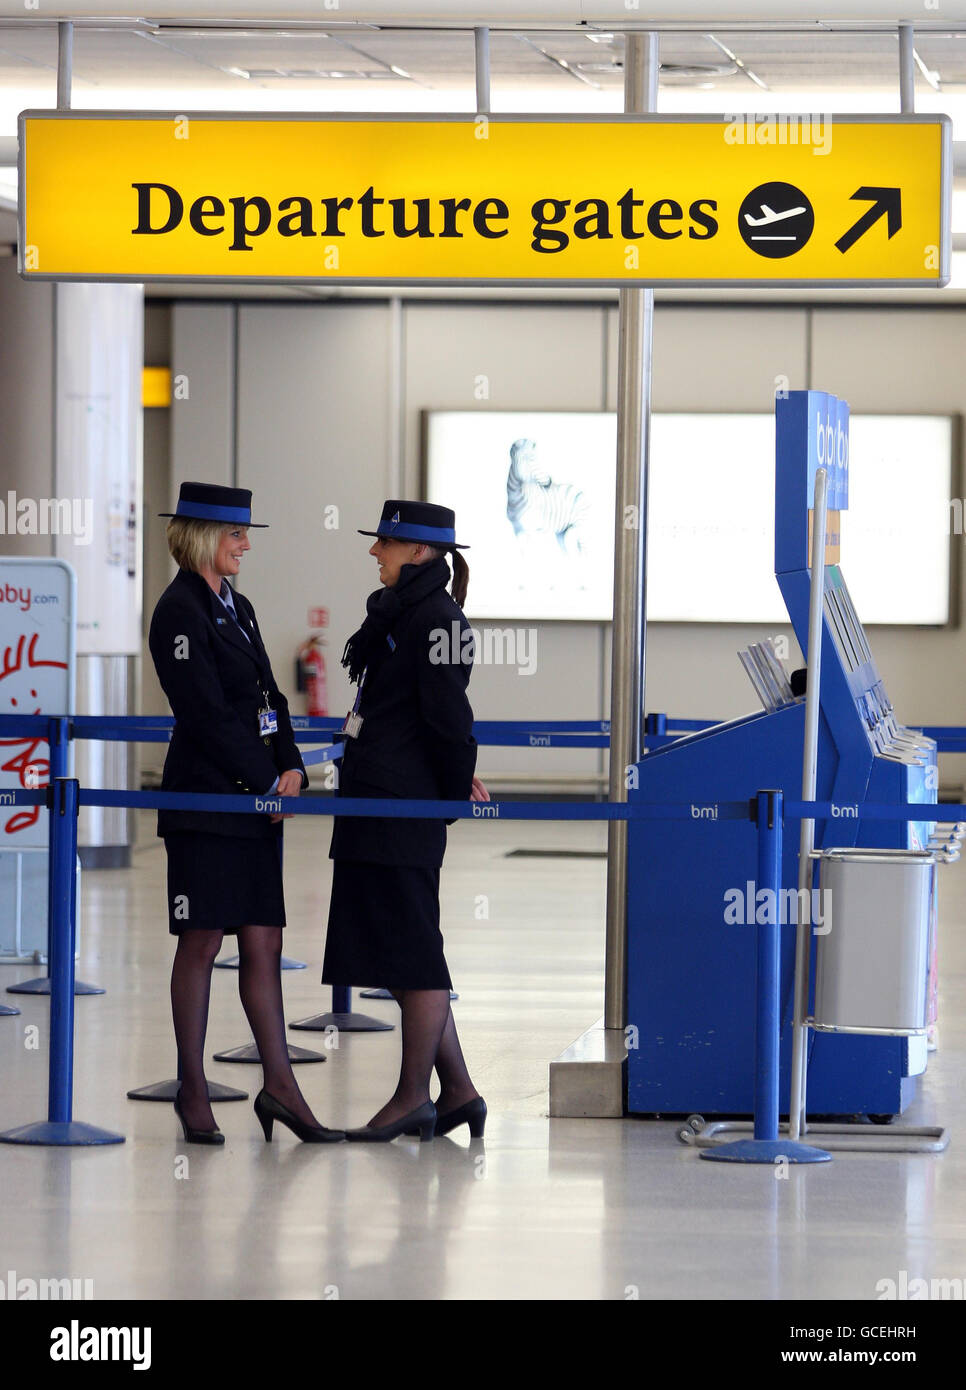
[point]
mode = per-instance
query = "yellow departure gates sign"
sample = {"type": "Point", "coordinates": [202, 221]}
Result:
{"type": "Point", "coordinates": [602, 200]}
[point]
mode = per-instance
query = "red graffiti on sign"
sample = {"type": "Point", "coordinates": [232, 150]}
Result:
{"type": "Point", "coordinates": [17, 697]}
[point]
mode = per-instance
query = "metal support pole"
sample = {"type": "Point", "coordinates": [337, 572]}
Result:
{"type": "Point", "coordinates": [797, 1123]}
{"type": "Point", "coordinates": [65, 63]}
{"type": "Point", "coordinates": [766, 1147]}
{"type": "Point", "coordinates": [907, 69]}
{"type": "Point", "coordinates": [628, 628]}
{"type": "Point", "coordinates": [481, 40]}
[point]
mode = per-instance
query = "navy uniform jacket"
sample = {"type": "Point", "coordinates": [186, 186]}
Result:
{"type": "Point", "coordinates": [214, 679]}
{"type": "Point", "coordinates": [416, 739]}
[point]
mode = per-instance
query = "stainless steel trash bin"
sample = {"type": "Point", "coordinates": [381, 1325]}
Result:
{"type": "Point", "coordinates": [872, 952]}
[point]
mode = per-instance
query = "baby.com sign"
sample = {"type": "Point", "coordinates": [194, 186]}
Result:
{"type": "Point", "coordinates": [37, 617]}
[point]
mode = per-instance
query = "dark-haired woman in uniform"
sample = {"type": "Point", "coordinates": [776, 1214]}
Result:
{"type": "Point", "coordinates": [408, 735]}
{"type": "Point", "coordinates": [232, 735]}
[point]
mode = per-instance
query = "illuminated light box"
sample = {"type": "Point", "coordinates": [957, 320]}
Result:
{"type": "Point", "coordinates": [534, 498]}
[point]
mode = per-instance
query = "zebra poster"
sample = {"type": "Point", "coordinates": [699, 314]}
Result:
{"type": "Point", "coordinates": [533, 493]}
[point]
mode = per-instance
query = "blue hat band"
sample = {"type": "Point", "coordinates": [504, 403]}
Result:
{"type": "Point", "coordinates": [443, 535]}
{"type": "Point", "coordinates": [209, 511]}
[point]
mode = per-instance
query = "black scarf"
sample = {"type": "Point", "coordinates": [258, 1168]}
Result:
{"type": "Point", "coordinates": [383, 609]}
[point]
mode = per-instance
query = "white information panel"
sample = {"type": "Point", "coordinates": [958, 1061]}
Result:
{"type": "Point", "coordinates": [533, 493]}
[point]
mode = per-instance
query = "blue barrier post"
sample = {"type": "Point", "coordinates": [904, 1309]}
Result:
{"type": "Point", "coordinates": [766, 1146]}
{"type": "Point", "coordinates": [342, 1017]}
{"type": "Point", "coordinates": [60, 1128]}
{"type": "Point", "coordinates": [58, 742]}
{"type": "Point", "coordinates": [233, 962]}
{"type": "Point", "coordinates": [387, 994]}
{"type": "Point", "coordinates": [655, 724]}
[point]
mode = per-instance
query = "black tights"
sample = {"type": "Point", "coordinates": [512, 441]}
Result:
{"type": "Point", "coordinates": [429, 1040]}
{"type": "Point", "coordinates": [260, 987]}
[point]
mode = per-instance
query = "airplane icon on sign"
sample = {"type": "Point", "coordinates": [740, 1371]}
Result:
{"type": "Point", "coordinates": [771, 233]}
{"type": "Point", "coordinates": [769, 216]}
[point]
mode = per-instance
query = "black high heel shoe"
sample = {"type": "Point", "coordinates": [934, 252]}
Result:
{"type": "Point", "coordinates": [268, 1110]}
{"type": "Point", "coordinates": [196, 1136]}
{"type": "Point", "coordinates": [473, 1113]}
{"type": "Point", "coordinates": [421, 1121]}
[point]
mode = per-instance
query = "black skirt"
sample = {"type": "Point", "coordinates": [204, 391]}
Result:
{"type": "Point", "coordinates": [223, 882]}
{"type": "Point", "coordinates": [384, 927]}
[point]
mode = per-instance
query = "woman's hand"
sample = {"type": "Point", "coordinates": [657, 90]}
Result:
{"type": "Point", "coordinates": [289, 784]}
{"type": "Point", "coordinates": [479, 792]}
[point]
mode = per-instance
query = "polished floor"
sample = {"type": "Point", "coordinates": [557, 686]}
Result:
{"type": "Point", "coordinates": [547, 1209]}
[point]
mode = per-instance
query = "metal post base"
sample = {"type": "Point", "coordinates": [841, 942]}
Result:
{"type": "Point", "coordinates": [42, 986]}
{"type": "Point", "coordinates": [61, 1133]}
{"type": "Point", "coordinates": [385, 994]}
{"type": "Point", "coordinates": [167, 1090]}
{"type": "Point", "coordinates": [845, 1138]}
{"type": "Point", "coordinates": [345, 1023]}
{"type": "Point", "coordinates": [6, 1012]}
{"type": "Point", "coordinates": [765, 1151]}
{"type": "Point", "coordinates": [232, 962]}
{"type": "Point", "coordinates": [249, 1053]}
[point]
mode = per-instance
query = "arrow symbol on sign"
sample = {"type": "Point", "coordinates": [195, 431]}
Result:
{"type": "Point", "coordinates": [884, 200]}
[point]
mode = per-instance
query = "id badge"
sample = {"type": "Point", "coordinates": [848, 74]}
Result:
{"type": "Point", "coordinates": [267, 722]}
{"type": "Point", "coordinates": [353, 724]}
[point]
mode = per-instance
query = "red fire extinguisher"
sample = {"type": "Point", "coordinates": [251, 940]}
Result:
{"type": "Point", "coordinates": [312, 679]}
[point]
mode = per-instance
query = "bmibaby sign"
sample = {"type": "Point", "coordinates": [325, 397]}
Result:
{"type": "Point", "coordinates": [604, 200]}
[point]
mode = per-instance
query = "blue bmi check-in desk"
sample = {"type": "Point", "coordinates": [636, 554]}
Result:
{"type": "Point", "coordinates": [691, 956]}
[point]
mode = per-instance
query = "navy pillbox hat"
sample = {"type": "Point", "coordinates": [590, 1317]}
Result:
{"type": "Point", "coordinates": [417, 521]}
{"type": "Point", "coordinates": [209, 502]}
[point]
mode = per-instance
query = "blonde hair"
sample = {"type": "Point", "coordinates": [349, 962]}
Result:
{"type": "Point", "coordinates": [194, 544]}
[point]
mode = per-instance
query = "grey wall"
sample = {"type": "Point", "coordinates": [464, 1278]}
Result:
{"type": "Point", "coordinates": [26, 397]}
{"type": "Point", "coordinates": [318, 406]}
{"type": "Point", "coordinates": [313, 435]}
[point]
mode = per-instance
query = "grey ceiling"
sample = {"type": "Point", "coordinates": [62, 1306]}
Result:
{"type": "Point", "coordinates": [164, 59]}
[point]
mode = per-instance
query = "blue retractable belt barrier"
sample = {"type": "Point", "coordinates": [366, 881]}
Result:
{"type": "Point", "coordinates": [64, 797]}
